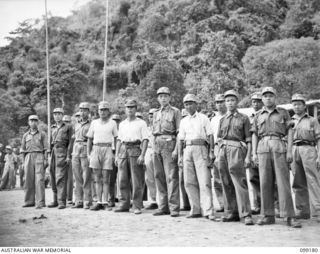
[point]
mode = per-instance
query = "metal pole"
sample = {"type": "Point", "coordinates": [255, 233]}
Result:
{"type": "Point", "coordinates": [104, 92]}
{"type": "Point", "coordinates": [48, 78]}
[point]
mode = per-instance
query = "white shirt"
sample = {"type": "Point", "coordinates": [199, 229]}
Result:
{"type": "Point", "coordinates": [102, 132]}
{"type": "Point", "coordinates": [196, 126]}
{"type": "Point", "coordinates": [215, 121]}
{"type": "Point", "coordinates": [130, 131]}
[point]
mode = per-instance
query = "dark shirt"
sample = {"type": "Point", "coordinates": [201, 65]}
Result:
{"type": "Point", "coordinates": [166, 121]}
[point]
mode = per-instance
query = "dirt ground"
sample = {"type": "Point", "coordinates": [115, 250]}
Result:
{"type": "Point", "coordinates": [79, 227]}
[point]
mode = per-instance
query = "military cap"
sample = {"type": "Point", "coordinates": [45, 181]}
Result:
{"type": "Point", "coordinates": [164, 90]}
{"type": "Point", "coordinates": [66, 118]}
{"type": "Point", "coordinates": [190, 97]}
{"type": "Point", "coordinates": [78, 114]}
{"type": "Point", "coordinates": [269, 89]}
{"type": "Point", "coordinates": [184, 112]}
{"type": "Point", "coordinates": [9, 147]}
{"type": "Point", "coordinates": [219, 97]}
{"type": "Point", "coordinates": [131, 103]}
{"type": "Point", "coordinates": [58, 110]}
{"type": "Point", "coordinates": [84, 105]}
{"type": "Point", "coordinates": [298, 97]}
{"type": "Point", "coordinates": [152, 110]}
{"type": "Point", "coordinates": [33, 117]}
{"type": "Point", "coordinates": [256, 96]}
{"type": "Point", "coordinates": [138, 114]}
{"type": "Point", "coordinates": [231, 93]}
{"type": "Point", "coordinates": [116, 117]}
{"type": "Point", "coordinates": [103, 105]}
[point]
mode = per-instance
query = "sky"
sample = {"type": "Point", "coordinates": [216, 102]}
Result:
{"type": "Point", "coordinates": [14, 11]}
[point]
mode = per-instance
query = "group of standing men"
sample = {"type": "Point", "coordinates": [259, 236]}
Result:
{"type": "Point", "coordinates": [266, 143]}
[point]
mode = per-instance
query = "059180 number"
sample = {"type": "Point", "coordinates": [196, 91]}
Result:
{"type": "Point", "coordinates": [309, 250]}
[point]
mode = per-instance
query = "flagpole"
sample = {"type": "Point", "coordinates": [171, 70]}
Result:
{"type": "Point", "coordinates": [104, 92]}
{"type": "Point", "coordinates": [48, 78]}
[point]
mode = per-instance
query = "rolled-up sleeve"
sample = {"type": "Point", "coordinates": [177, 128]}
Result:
{"type": "Point", "coordinates": [144, 131]}
{"type": "Point", "coordinates": [91, 131]}
{"type": "Point", "coordinates": [182, 132]}
{"type": "Point", "coordinates": [247, 132]}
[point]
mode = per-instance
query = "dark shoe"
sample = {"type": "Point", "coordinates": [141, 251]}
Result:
{"type": "Point", "coordinates": [174, 214]}
{"type": "Point", "coordinates": [79, 205]}
{"type": "Point", "coordinates": [159, 213]}
{"type": "Point", "coordinates": [248, 221]}
{"type": "Point", "coordinates": [230, 218]}
{"type": "Point", "coordinates": [185, 208]}
{"type": "Point", "coordinates": [220, 210]}
{"type": "Point", "coordinates": [53, 204]}
{"type": "Point", "coordinates": [69, 202]}
{"type": "Point", "coordinates": [292, 222]}
{"type": "Point", "coordinates": [255, 211]}
{"type": "Point", "coordinates": [152, 206]}
{"type": "Point", "coordinates": [192, 216]}
{"type": "Point", "coordinates": [96, 207]}
{"type": "Point", "coordinates": [62, 206]}
{"type": "Point", "coordinates": [120, 210]}
{"type": "Point", "coordinates": [266, 220]}
{"type": "Point", "coordinates": [28, 205]}
{"type": "Point", "coordinates": [303, 217]}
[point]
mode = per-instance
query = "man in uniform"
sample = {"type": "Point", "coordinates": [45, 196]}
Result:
{"type": "Point", "coordinates": [101, 134]}
{"type": "Point", "coordinates": [34, 147]}
{"type": "Point", "coordinates": [215, 120]}
{"type": "Point", "coordinates": [166, 121]}
{"type": "Point", "coordinates": [61, 148]}
{"type": "Point", "coordinates": [196, 134]}
{"type": "Point", "coordinates": [130, 152]}
{"type": "Point", "coordinates": [150, 175]}
{"type": "Point", "coordinates": [2, 154]}
{"type": "Point", "coordinates": [256, 103]}
{"type": "Point", "coordinates": [16, 152]}
{"type": "Point", "coordinates": [270, 125]}
{"type": "Point", "coordinates": [306, 160]}
{"type": "Point", "coordinates": [80, 163]}
{"type": "Point", "coordinates": [67, 120]}
{"type": "Point", "coordinates": [233, 158]}
{"type": "Point", "coordinates": [9, 167]}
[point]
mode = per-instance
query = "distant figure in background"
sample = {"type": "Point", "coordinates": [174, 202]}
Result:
{"type": "Point", "coordinates": [78, 117]}
{"type": "Point", "coordinates": [2, 154]}
{"type": "Point", "coordinates": [9, 167]}
{"type": "Point", "coordinates": [16, 152]}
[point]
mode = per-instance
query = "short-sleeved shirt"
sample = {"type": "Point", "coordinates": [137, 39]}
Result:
{"type": "Point", "coordinates": [196, 126]}
{"type": "Point", "coordinates": [34, 142]}
{"type": "Point", "coordinates": [234, 126]}
{"type": "Point", "coordinates": [166, 121]}
{"type": "Point", "coordinates": [215, 121]}
{"type": "Point", "coordinates": [276, 122]}
{"type": "Point", "coordinates": [103, 132]}
{"type": "Point", "coordinates": [80, 131]}
{"type": "Point", "coordinates": [131, 131]}
{"type": "Point", "coordinates": [305, 128]}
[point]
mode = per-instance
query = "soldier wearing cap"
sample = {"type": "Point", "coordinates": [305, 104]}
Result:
{"type": "Point", "coordinates": [80, 164]}
{"type": "Point", "coordinates": [16, 152]}
{"type": "Point", "coordinates": [234, 156]}
{"type": "Point", "coordinates": [183, 192]}
{"type": "Point", "coordinates": [130, 152]}
{"type": "Point", "coordinates": [102, 133]}
{"type": "Point", "coordinates": [256, 103]}
{"type": "Point", "coordinates": [150, 174]}
{"type": "Point", "coordinates": [306, 160]}
{"type": "Point", "coordinates": [215, 120]}
{"type": "Point", "coordinates": [196, 134]}
{"type": "Point", "coordinates": [165, 127]}
{"type": "Point", "coordinates": [61, 149]}
{"type": "Point", "coordinates": [34, 148]}
{"type": "Point", "coordinates": [9, 167]}
{"type": "Point", "coordinates": [271, 124]}
{"type": "Point", "coordinates": [78, 117]}
{"type": "Point", "coordinates": [139, 115]}
{"type": "Point", "coordinates": [66, 119]}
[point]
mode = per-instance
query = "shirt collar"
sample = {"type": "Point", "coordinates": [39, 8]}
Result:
{"type": "Point", "coordinates": [235, 114]}
{"type": "Point", "coordinates": [84, 122]}
{"type": "Point", "coordinates": [194, 115]}
{"type": "Point", "coordinates": [296, 117]}
{"type": "Point", "coordinates": [264, 109]}
{"type": "Point", "coordinates": [166, 108]}
{"type": "Point", "coordinates": [34, 132]}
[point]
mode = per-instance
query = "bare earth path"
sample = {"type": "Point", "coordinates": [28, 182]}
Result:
{"type": "Point", "coordinates": [79, 227]}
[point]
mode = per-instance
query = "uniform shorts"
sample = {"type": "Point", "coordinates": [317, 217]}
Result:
{"type": "Point", "coordinates": [101, 158]}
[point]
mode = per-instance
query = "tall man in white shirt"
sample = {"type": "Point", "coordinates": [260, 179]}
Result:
{"type": "Point", "coordinates": [196, 134]}
{"type": "Point", "coordinates": [101, 134]}
{"type": "Point", "coordinates": [131, 148]}
{"type": "Point", "coordinates": [217, 185]}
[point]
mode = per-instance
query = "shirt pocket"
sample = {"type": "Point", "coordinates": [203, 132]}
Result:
{"type": "Point", "coordinates": [168, 123]}
{"type": "Point", "coordinates": [279, 126]}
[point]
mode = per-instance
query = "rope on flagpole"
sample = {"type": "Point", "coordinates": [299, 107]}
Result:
{"type": "Point", "coordinates": [104, 92]}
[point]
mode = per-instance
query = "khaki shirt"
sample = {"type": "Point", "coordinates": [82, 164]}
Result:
{"type": "Point", "coordinates": [196, 126]}
{"type": "Point", "coordinates": [235, 127]}
{"type": "Point", "coordinates": [166, 121]}
{"type": "Point", "coordinates": [131, 131]}
{"type": "Point", "coordinates": [306, 128]}
{"type": "Point", "coordinates": [81, 130]}
{"type": "Point", "coordinates": [277, 122]}
{"type": "Point", "coordinates": [34, 142]}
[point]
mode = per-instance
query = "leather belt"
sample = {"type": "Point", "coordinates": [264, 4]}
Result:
{"type": "Point", "coordinates": [234, 143]}
{"type": "Point", "coordinates": [196, 142]}
{"type": "Point", "coordinates": [103, 144]}
{"type": "Point", "coordinates": [166, 137]}
{"type": "Point", "coordinates": [81, 141]}
{"type": "Point", "coordinates": [303, 143]}
{"type": "Point", "coordinates": [271, 137]}
{"type": "Point", "coordinates": [132, 143]}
